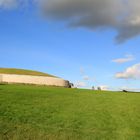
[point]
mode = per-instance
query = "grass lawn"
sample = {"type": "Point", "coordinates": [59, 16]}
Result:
{"type": "Point", "coordinates": [49, 113]}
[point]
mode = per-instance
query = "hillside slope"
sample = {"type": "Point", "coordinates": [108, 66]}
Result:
{"type": "Point", "coordinates": [23, 72]}
{"type": "Point", "coordinates": [49, 113]}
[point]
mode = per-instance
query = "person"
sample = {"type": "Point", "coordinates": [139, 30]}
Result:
{"type": "Point", "coordinates": [93, 88]}
{"type": "Point", "coordinates": [99, 88]}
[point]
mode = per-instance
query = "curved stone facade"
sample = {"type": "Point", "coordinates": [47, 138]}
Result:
{"type": "Point", "coordinates": [37, 80]}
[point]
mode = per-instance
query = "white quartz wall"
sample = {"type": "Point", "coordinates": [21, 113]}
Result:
{"type": "Point", "coordinates": [38, 80]}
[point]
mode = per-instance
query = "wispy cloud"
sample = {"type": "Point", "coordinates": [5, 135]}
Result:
{"type": "Point", "coordinates": [80, 84]}
{"type": "Point", "coordinates": [86, 77]}
{"type": "Point", "coordinates": [82, 71]}
{"type": "Point", "coordinates": [132, 72]}
{"type": "Point", "coordinates": [127, 58]}
{"type": "Point", "coordinates": [11, 4]}
{"type": "Point", "coordinates": [6, 4]}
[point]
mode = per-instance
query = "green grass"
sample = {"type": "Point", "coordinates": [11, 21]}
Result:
{"type": "Point", "coordinates": [49, 113]}
{"type": "Point", "coordinates": [23, 72]}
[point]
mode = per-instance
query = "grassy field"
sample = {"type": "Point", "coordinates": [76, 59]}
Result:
{"type": "Point", "coordinates": [49, 113]}
{"type": "Point", "coordinates": [23, 72]}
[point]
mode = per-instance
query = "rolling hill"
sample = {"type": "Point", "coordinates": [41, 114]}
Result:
{"type": "Point", "coordinates": [23, 72]}
{"type": "Point", "coordinates": [50, 113]}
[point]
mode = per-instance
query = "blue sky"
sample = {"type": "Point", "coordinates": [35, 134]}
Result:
{"type": "Point", "coordinates": [81, 55]}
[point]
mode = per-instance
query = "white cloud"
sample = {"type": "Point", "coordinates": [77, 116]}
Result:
{"type": "Point", "coordinates": [80, 84]}
{"type": "Point", "coordinates": [127, 58]}
{"type": "Point", "coordinates": [130, 73]}
{"type": "Point", "coordinates": [104, 87]}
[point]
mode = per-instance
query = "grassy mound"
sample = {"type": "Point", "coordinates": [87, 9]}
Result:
{"type": "Point", "coordinates": [23, 72]}
{"type": "Point", "coordinates": [48, 113]}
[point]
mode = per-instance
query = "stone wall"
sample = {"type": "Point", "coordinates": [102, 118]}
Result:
{"type": "Point", "coordinates": [38, 80]}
